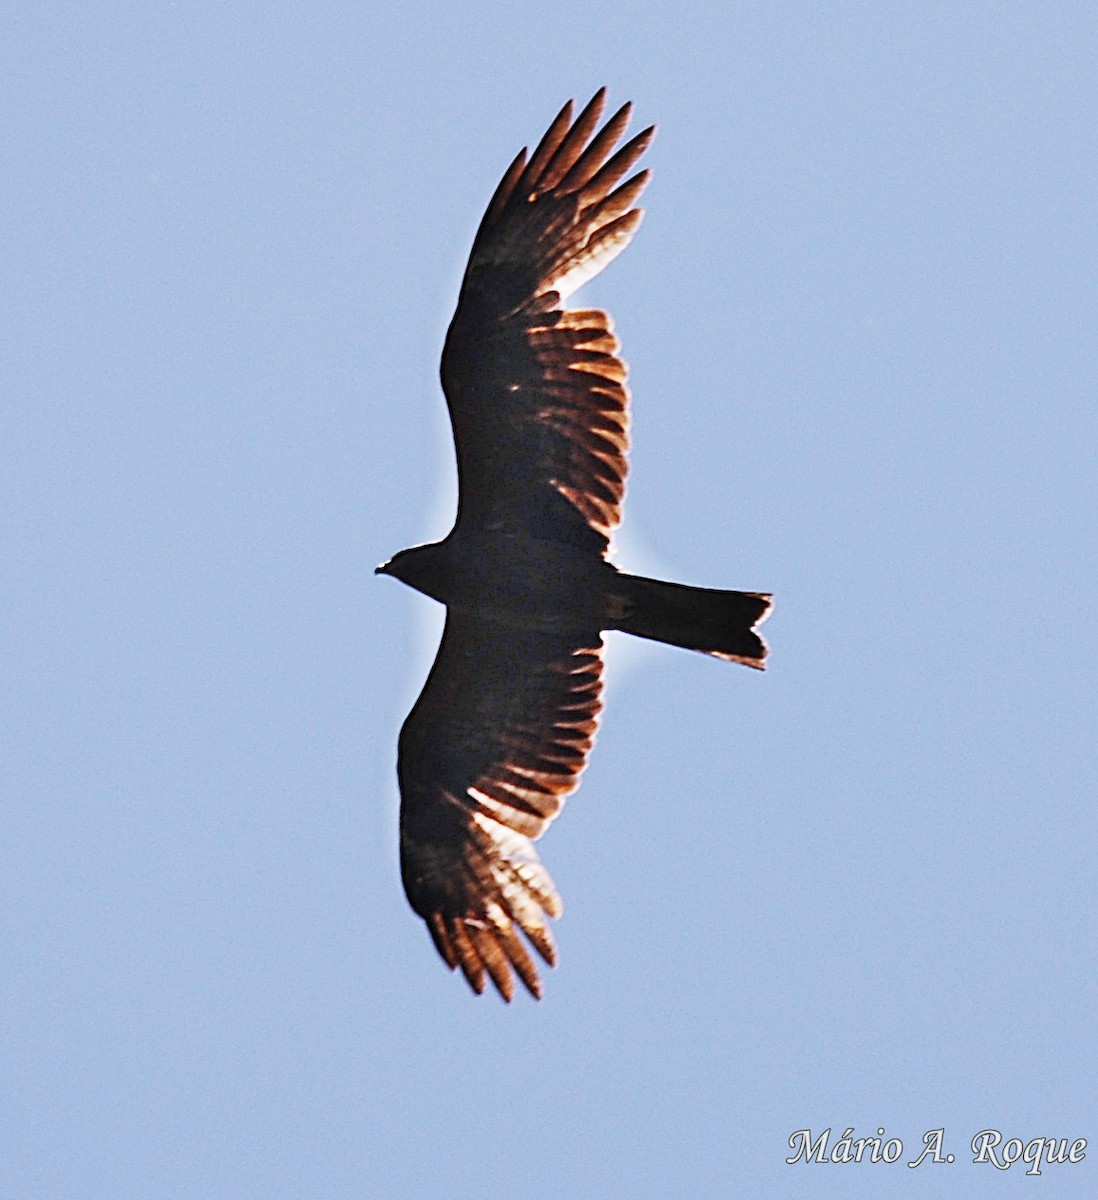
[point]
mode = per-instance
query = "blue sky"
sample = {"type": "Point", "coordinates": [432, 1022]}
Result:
{"type": "Point", "coordinates": [857, 891]}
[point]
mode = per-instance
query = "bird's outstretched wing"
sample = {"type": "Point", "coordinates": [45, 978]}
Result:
{"type": "Point", "coordinates": [536, 393]}
{"type": "Point", "coordinates": [495, 742]}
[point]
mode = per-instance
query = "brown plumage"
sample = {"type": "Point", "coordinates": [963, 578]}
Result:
{"type": "Point", "coordinates": [539, 409]}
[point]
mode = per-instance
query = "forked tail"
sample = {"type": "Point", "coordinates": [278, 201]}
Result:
{"type": "Point", "coordinates": [721, 623]}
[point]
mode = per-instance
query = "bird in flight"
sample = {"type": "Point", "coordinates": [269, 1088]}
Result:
{"type": "Point", "coordinates": [539, 408]}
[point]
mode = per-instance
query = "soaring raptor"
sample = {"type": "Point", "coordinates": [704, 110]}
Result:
{"type": "Point", "coordinates": [539, 409]}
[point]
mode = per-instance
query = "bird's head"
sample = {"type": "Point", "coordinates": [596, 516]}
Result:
{"type": "Point", "coordinates": [418, 567]}
{"type": "Point", "coordinates": [398, 565]}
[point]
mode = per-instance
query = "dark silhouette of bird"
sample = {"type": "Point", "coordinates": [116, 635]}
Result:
{"type": "Point", "coordinates": [539, 408]}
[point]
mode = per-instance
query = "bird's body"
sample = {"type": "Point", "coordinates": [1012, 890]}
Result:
{"type": "Point", "coordinates": [538, 403]}
{"type": "Point", "coordinates": [515, 579]}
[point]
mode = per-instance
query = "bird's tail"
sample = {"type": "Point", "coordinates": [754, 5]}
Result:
{"type": "Point", "coordinates": [714, 622]}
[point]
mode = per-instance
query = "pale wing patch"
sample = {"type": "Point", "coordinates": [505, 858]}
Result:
{"type": "Point", "coordinates": [585, 400]}
{"type": "Point", "coordinates": [595, 256]}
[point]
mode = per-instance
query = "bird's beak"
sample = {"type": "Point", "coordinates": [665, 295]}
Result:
{"type": "Point", "coordinates": [381, 570]}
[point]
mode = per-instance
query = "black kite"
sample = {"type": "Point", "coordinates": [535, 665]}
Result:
{"type": "Point", "coordinates": [539, 409]}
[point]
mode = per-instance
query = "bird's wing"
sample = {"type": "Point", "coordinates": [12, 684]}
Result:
{"type": "Point", "coordinates": [537, 393]}
{"type": "Point", "coordinates": [494, 744]}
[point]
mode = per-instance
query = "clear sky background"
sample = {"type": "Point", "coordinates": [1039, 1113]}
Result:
{"type": "Point", "coordinates": [856, 891]}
